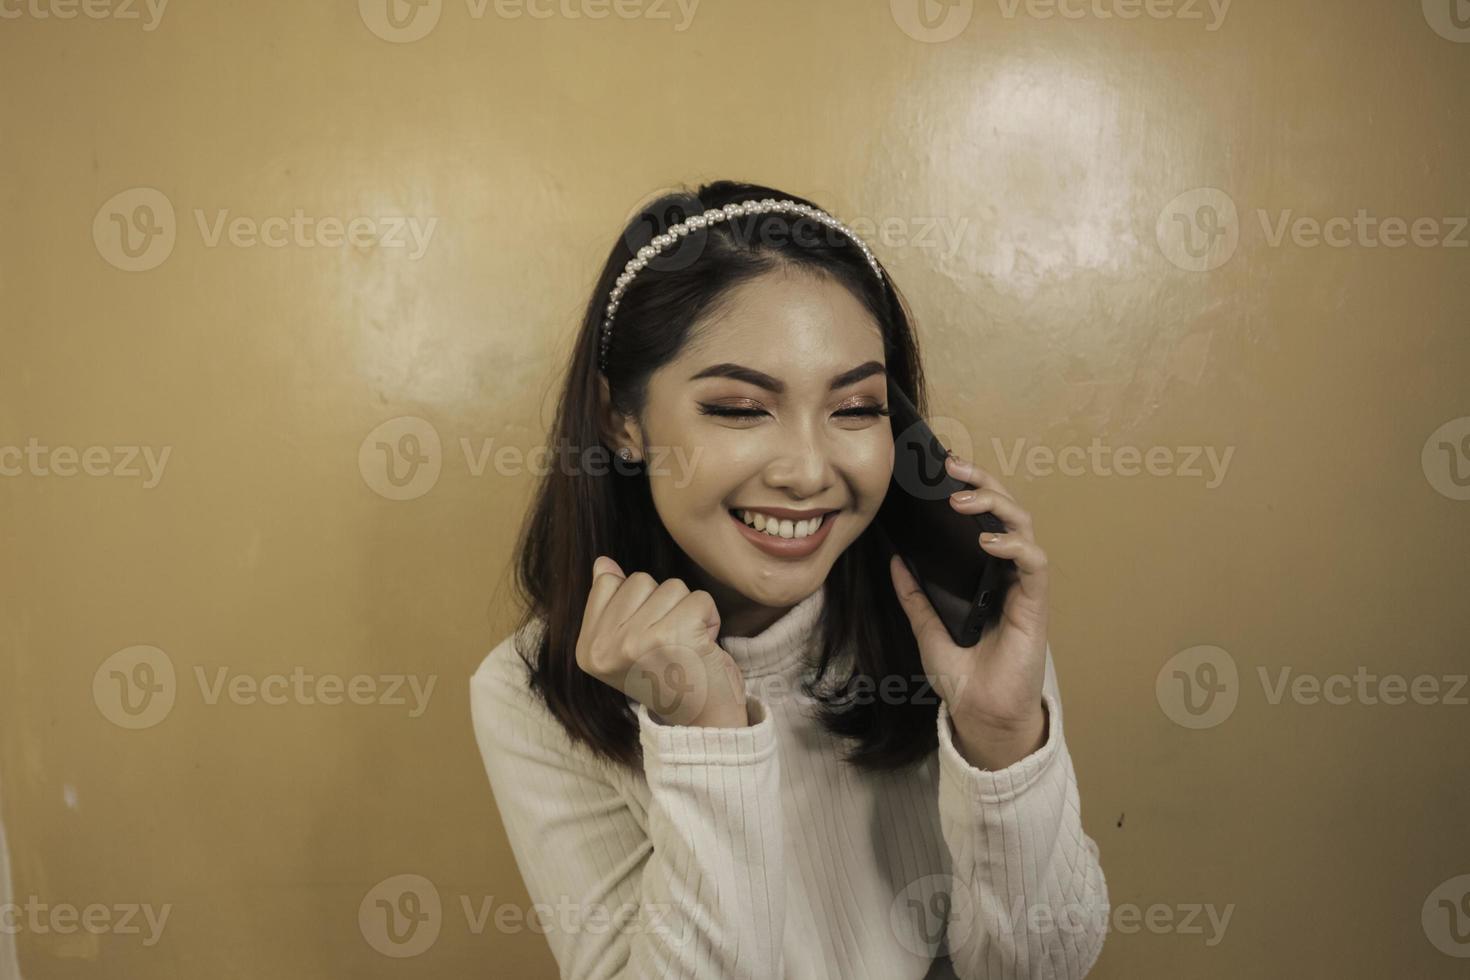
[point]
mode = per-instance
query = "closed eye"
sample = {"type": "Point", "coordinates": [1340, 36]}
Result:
{"type": "Point", "coordinates": [726, 411]}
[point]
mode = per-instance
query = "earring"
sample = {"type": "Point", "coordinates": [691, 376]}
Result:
{"type": "Point", "coordinates": [625, 454]}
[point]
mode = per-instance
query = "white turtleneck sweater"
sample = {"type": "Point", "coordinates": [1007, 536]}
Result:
{"type": "Point", "coordinates": [757, 853]}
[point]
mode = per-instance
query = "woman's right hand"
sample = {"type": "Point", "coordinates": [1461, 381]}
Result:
{"type": "Point", "coordinates": [656, 643]}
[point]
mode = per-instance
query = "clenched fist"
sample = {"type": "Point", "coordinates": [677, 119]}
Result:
{"type": "Point", "coordinates": [656, 643]}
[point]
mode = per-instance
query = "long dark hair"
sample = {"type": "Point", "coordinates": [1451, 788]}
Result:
{"type": "Point", "coordinates": [584, 511]}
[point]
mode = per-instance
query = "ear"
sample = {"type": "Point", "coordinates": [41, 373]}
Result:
{"type": "Point", "coordinates": [617, 430]}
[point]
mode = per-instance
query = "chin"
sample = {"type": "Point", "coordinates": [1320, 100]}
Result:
{"type": "Point", "coordinates": [778, 588]}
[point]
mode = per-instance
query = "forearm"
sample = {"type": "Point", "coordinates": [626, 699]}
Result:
{"type": "Point", "coordinates": [714, 876]}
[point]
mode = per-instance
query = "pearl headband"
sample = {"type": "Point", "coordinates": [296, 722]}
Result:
{"type": "Point", "coordinates": [704, 220]}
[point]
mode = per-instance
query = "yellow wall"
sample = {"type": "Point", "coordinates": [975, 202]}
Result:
{"type": "Point", "coordinates": [1027, 168]}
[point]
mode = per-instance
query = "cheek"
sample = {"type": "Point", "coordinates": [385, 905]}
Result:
{"type": "Point", "coordinates": [870, 467]}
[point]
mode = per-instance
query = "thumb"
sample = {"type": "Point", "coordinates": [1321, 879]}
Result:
{"type": "Point", "coordinates": [603, 563]}
{"type": "Point", "coordinates": [922, 617]}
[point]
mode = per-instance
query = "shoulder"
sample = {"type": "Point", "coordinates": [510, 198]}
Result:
{"type": "Point", "coordinates": [512, 724]}
{"type": "Point", "coordinates": [503, 679]}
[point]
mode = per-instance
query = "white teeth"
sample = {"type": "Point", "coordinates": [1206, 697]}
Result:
{"type": "Point", "coordinates": [779, 528]}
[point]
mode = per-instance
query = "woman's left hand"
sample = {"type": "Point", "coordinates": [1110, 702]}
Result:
{"type": "Point", "coordinates": [992, 689]}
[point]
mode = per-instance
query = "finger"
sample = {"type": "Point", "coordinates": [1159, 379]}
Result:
{"type": "Point", "coordinates": [962, 469]}
{"type": "Point", "coordinates": [659, 604]}
{"type": "Point", "coordinates": [1013, 514]}
{"type": "Point", "coordinates": [709, 616]}
{"type": "Point", "coordinates": [607, 575]}
{"type": "Point", "coordinates": [632, 592]}
{"type": "Point", "coordinates": [922, 617]}
{"type": "Point", "coordinates": [1030, 559]}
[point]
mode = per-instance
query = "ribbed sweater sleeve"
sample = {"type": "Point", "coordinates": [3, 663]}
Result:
{"type": "Point", "coordinates": [1031, 900]}
{"type": "Point", "coordinates": [699, 894]}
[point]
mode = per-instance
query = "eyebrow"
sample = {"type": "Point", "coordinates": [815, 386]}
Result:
{"type": "Point", "coordinates": [739, 372]}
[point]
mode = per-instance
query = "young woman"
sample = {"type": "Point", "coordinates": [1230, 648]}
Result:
{"type": "Point", "coordinates": [728, 738]}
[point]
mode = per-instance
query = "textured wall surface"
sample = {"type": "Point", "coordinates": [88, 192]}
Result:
{"type": "Point", "coordinates": [277, 280]}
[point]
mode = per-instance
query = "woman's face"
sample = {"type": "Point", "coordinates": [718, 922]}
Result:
{"type": "Point", "coordinates": [775, 407]}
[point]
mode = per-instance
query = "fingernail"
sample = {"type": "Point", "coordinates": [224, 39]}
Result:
{"type": "Point", "coordinates": [990, 537]}
{"type": "Point", "coordinates": [963, 496]}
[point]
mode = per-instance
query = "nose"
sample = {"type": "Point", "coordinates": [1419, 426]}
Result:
{"type": "Point", "coordinates": [802, 466]}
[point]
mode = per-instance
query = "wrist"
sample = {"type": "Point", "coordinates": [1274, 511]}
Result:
{"type": "Point", "coordinates": [734, 716]}
{"type": "Point", "coordinates": [992, 746]}
{"type": "Point", "coordinates": [713, 716]}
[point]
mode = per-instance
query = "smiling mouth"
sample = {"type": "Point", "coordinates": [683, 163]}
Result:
{"type": "Point", "coordinates": [782, 527]}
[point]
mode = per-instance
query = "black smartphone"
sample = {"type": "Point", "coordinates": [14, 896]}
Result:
{"type": "Point", "coordinates": [940, 546]}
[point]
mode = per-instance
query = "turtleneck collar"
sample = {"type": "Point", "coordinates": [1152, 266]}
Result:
{"type": "Point", "coordinates": [780, 645]}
